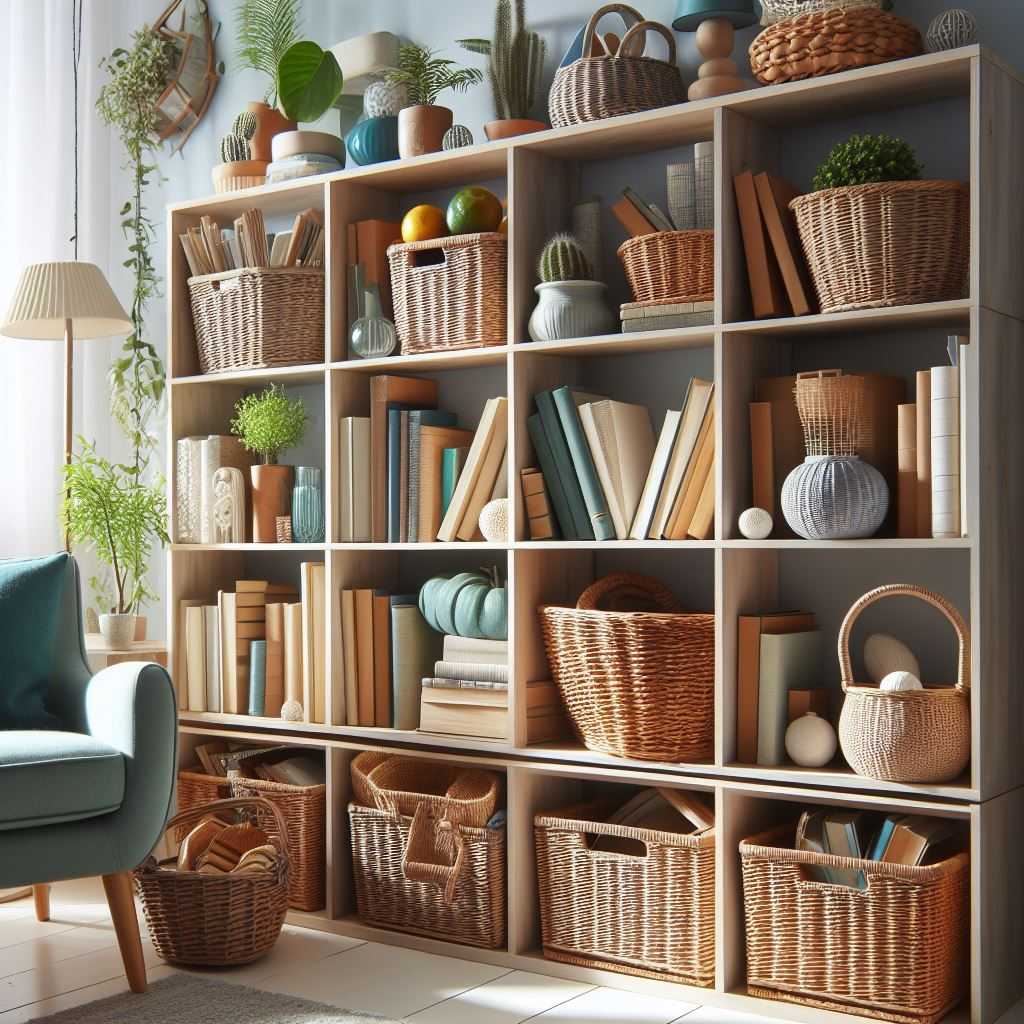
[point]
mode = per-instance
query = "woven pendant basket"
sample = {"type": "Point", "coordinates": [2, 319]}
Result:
{"type": "Point", "coordinates": [906, 735]}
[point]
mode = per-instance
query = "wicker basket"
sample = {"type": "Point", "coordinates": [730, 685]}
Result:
{"type": "Point", "coordinates": [196, 788]}
{"type": "Point", "coordinates": [593, 88]}
{"type": "Point", "coordinates": [635, 684]}
{"type": "Point", "coordinates": [258, 316]}
{"type": "Point", "coordinates": [896, 950]}
{"type": "Point", "coordinates": [828, 41]}
{"type": "Point", "coordinates": [216, 920]}
{"type": "Point", "coordinates": [304, 809]}
{"type": "Point", "coordinates": [670, 266]}
{"type": "Point", "coordinates": [773, 11]}
{"type": "Point", "coordinates": [651, 915]}
{"type": "Point", "coordinates": [906, 735]}
{"type": "Point", "coordinates": [886, 244]}
{"type": "Point", "coordinates": [450, 292]}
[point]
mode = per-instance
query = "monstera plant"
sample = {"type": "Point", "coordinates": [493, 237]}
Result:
{"type": "Point", "coordinates": [472, 604]}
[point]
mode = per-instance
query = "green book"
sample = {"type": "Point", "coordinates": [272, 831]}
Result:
{"type": "Point", "coordinates": [452, 461]}
{"type": "Point", "coordinates": [257, 677]}
{"type": "Point", "coordinates": [842, 839]}
{"type": "Point", "coordinates": [415, 647]}
{"type": "Point", "coordinates": [582, 528]}
{"type": "Point", "coordinates": [553, 482]}
{"type": "Point", "coordinates": [789, 661]}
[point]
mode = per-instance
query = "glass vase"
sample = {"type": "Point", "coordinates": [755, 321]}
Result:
{"type": "Point", "coordinates": [307, 506]}
{"type": "Point", "coordinates": [373, 334]}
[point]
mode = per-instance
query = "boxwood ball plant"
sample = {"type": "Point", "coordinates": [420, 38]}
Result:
{"type": "Point", "coordinates": [865, 159]}
{"type": "Point", "coordinates": [269, 422]}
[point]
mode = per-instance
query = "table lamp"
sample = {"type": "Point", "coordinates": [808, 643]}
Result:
{"type": "Point", "coordinates": [715, 22]}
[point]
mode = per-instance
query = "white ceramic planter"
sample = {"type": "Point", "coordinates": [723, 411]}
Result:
{"type": "Point", "coordinates": [118, 630]}
{"type": "Point", "coordinates": [570, 309]}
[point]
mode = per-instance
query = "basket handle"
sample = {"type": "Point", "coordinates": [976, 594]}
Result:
{"type": "Point", "coordinates": [624, 11]}
{"type": "Point", "coordinates": [430, 840]}
{"type": "Point", "coordinates": [963, 676]}
{"type": "Point", "coordinates": [195, 814]}
{"type": "Point", "coordinates": [661, 595]}
{"type": "Point", "coordinates": [640, 30]}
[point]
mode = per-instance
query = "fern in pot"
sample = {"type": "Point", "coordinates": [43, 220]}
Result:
{"type": "Point", "coordinates": [571, 304]}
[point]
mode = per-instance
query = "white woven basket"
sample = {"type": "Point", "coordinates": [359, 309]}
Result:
{"type": "Point", "coordinates": [773, 11]}
{"type": "Point", "coordinates": [835, 497]}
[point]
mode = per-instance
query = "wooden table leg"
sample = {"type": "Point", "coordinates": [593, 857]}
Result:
{"type": "Point", "coordinates": [121, 901]}
{"type": "Point", "coordinates": [41, 895]}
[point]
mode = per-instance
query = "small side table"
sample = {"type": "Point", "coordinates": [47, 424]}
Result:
{"type": "Point", "coordinates": [101, 654]}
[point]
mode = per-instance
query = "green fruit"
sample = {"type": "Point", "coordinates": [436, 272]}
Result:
{"type": "Point", "coordinates": [466, 604]}
{"type": "Point", "coordinates": [474, 209]}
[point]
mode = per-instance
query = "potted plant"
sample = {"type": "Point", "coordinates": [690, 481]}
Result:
{"type": "Point", "coordinates": [570, 303]}
{"type": "Point", "coordinates": [268, 423]}
{"type": "Point", "coordinates": [515, 64]}
{"type": "Point", "coordinates": [110, 511]}
{"type": "Point", "coordinates": [422, 124]}
{"type": "Point", "coordinates": [238, 169]}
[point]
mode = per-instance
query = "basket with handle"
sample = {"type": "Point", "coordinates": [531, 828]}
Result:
{"type": "Point", "coordinates": [670, 266]}
{"type": "Point", "coordinates": [906, 735]}
{"type": "Point", "coordinates": [635, 683]}
{"type": "Point", "coordinates": [624, 82]}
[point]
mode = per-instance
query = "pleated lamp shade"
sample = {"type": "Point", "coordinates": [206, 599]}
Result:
{"type": "Point", "coordinates": [48, 294]}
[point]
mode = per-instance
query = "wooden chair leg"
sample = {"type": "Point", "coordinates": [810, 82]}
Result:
{"type": "Point", "coordinates": [126, 926]}
{"type": "Point", "coordinates": [41, 895]}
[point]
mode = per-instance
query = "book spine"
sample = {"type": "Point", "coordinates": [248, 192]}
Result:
{"type": "Point", "coordinates": [393, 476]}
{"type": "Point", "coordinates": [445, 683]}
{"type": "Point", "coordinates": [552, 480]}
{"type": "Point", "coordinates": [413, 517]}
{"type": "Point", "coordinates": [471, 670]}
{"type": "Point", "coordinates": [906, 470]}
{"type": "Point", "coordinates": [924, 453]}
{"type": "Point", "coordinates": [704, 177]}
{"type": "Point", "coordinates": [945, 456]}
{"type": "Point", "coordinates": [257, 677]}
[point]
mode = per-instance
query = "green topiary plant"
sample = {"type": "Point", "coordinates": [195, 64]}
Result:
{"type": "Point", "coordinates": [425, 75]}
{"type": "Point", "coordinates": [234, 148]}
{"type": "Point", "coordinates": [865, 159]}
{"type": "Point", "coordinates": [563, 259]}
{"type": "Point", "coordinates": [269, 422]}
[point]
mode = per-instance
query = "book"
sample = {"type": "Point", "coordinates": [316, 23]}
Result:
{"type": "Point", "coordinates": [789, 661]}
{"type": "Point", "coordinates": [634, 222]}
{"type": "Point", "coordinates": [914, 837]}
{"type": "Point", "coordinates": [395, 489]}
{"type": "Point", "coordinates": [479, 671]}
{"type": "Point", "coordinates": [216, 452]}
{"type": "Point", "coordinates": [424, 487]}
{"type": "Point", "coordinates": [540, 518]}
{"type": "Point", "coordinates": [810, 835]}
{"type": "Point", "coordinates": [641, 524]}
{"type": "Point", "coordinates": [774, 196]}
{"type": "Point", "coordinates": [232, 701]}
{"type": "Point", "coordinates": [380, 627]}
{"type": "Point", "coordinates": [924, 452]}
{"type": "Point", "coordinates": [274, 692]}
{"type": "Point", "coordinates": [647, 310]}
{"type": "Point", "coordinates": [945, 457]}
{"type": "Point", "coordinates": [354, 474]}
{"type": "Point", "coordinates": [429, 505]}
{"type": "Point", "coordinates": [552, 478]}
{"type": "Point", "coordinates": [293, 653]}
{"type": "Point", "coordinates": [211, 622]}
{"type": "Point", "coordinates": [415, 648]}
{"type": "Point", "coordinates": [691, 805]}
{"type": "Point", "coordinates": [195, 656]}
{"type": "Point", "coordinates": [881, 840]}
{"type": "Point", "coordinates": [906, 470]}
{"type": "Point", "coordinates": [372, 239]}
{"type": "Point", "coordinates": [802, 702]}
{"type": "Point", "coordinates": [648, 210]}
{"type": "Point", "coordinates": [257, 677]}
{"type": "Point", "coordinates": [698, 469]}
{"type": "Point", "coordinates": [348, 653]}
{"type": "Point", "coordinates": [842, 839]}
{"type": "Point", "coordinates": [762, 463]}
{"type": "Point", "coordinates": [767, 291]}
{"type": "Point", "coordinates": [464, 711]}
{"type": "Point", "coordinates": [314, 641]}
{"type": "Point", "coordinates": [702, 524]}
{"type": "Point", "coordinates": [960, 346]}
{"type": "Point", "coordinates": [500, 488]}
{"type": "Point", "coordinates": [667, 321]}
{"type": "Point", "coordinates": [471, 650]}
{"type": "Point", "coordinates": [490, 466]}
{"type": "Point", "coordinates": [452, 462]}
{"type": "Point", "coordinates": [179, 669]}
{"type": "Point", "coordinates": [364, 657]}
{"type": "Point", "coordinates": [565, 471]}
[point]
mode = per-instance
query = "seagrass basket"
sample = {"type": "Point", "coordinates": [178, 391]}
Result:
{"type": "Point", "coordinates": [216, 920]}
{"type": "Point", "coordinates": [773, 11]}
{"type": "Point", "coordinates": [890, 243]}
{"type": "Point", "coordinates": [668, 266]}
{"type": "Point", "coordinates": [896, 951]}
{"type": "Point", "coordinates": [635, 684]}
{"type": "Point", "coordinates": [650, 915]}
{"type": "Point", "coordinates": [258, 316]}
{"type": "Point", "coordinates": [906, 735]}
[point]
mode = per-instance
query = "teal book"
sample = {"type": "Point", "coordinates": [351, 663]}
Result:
{"type": "Point", "coordinates": [583, 463]}
{"type": "Point", "coordinates": [566, 473]}
{"type": "Point", "coordinates": [789, 661]}
{"type": "Point", "coordinates": [419, 418]}
{"type": "Point", "coordinates": [878, 847]}
{"type": "Point", "coordinates": [415, 648]}
{"type": "Point", "coordinates": [452, 461]}
{"type": "Point", "coordinates": [546, 459]}
{"type": "Point", "coordinates": [258, 677]}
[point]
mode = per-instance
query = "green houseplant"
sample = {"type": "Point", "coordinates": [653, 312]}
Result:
{"type": "Point", "coordinates": [864, 159]}
{"type": "Point", "coordinates": [570, 303]}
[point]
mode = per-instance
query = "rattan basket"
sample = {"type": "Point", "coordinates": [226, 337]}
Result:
{"type": "Point", "coordinates": [896, 950]}
{"type": "Point", "coordinates": [906, 735]}
{"type": "Point", "coordinates": [258, 316]}
{"type": "Point", "coordinates": [670, 266]}
{"type": "Point", "coordinates": [635, 684]}
{"type": "Point", "coordinates": [828, 41]}
{"type": "Point", "coordinates": [773, 11]}
{"type": "Point", "coordinates": [450, 292]}
{"type": "Point", "coordinates": [651, 915]}
{"type": "Point", "coordinates": [890, 243]}
{"type": "Point", "coordinates": [593, 88]}
{"type": "Point", "coordinates": [196, 788]}
{"type": "Point", "coordinates": [216, 920]}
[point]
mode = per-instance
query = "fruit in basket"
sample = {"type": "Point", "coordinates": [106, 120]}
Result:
{"type": "Point", "coordinates": [474, 209]}
{"type": "Point", "coordinates": [422, 223]}
{"type": "Point", "coordinates": [467, 604]}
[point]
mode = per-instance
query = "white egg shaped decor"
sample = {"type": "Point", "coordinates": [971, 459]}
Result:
{"type": "Point", "coordinates": [756, 523]}
{"type": "Point", "coordinates": [811, 741]}
{"type": "Point", "coordinates": [884, 654]}
{"type": "Point", "coordinates": [494, 521]}
{"type": "Point", "coordinates": [900, 681]}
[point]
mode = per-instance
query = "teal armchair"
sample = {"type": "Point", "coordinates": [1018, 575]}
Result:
{"type": "Point", "coordinates": [90, 796]}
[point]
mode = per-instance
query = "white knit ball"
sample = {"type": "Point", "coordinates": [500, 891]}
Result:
{"type": "Point", "coordinates": [384, 99]}
{"type": "Point", "coordinates": [494, 521]}
{"type": "Point", "coordinates": [810, 741]}
{"type": "Point", "coordinates": [900, 681]}
{"type": "Point", "coordinates": [951, 29]}
{"type": "Point", "coordinates": [291, 711]}
{"type": "Point", "coordinates": [884, 654]}
{"type": "Point", "coordinates": [756, 524]}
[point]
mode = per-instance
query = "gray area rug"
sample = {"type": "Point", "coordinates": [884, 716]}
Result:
{"type": "Point", "coordinates": [189, 999]}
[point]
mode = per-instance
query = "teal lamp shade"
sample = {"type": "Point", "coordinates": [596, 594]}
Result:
{"type": "Point", "coordinates": [739, 13]}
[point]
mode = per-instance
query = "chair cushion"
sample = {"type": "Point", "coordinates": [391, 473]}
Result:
{"type": "Point", "coordinates": [30, 593]}
{"type": "Point", "coordinates": [47, 777]}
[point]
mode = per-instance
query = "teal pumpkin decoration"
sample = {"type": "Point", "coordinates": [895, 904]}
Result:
{"type": "Point", "coordinates": [374, 140]}
{"type": "Point", "coordinates": [466, 604]}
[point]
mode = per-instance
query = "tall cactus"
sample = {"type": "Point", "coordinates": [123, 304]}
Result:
{"type": "Point", "coordinates": [563, 259]}
{"type": "Point", "coordinates": [233, 148]}
{"type": "Point", "coordinates": [245, 125]}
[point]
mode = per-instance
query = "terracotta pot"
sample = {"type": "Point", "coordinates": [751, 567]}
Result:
{"type": "Point", "coordinates": [509, 127]}
{"type": "Point", "coordinates": [238, 174]}
{"type": "Point", "coordinates": [271, 497]}
{"type": "Point", "coordinates": [269, 121]}
{"type": "Point", "coordinates": [140, 627]}
{"type": "Point", "coordinates": [421, 129]}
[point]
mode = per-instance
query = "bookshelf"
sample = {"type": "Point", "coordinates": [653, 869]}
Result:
{"type": "Point", "coordinates": [782, 129]}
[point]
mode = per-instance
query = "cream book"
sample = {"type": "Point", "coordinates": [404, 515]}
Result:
{"type": "Point", "coordinates": [655, 475]}
{"type": "Point", "coordinates": [945, 454]}
{"type": "Point", "coordinates": [274, 695]}
{"type": "Point", "coordinates": [180, 666]}
{"type": "Point", "coordinates": [293, 653]}
{"type": "Point", "coordinates": [211, 619]}
{"type": "Point", "coordinates": [354, 474]}
{"type": "Point", "coordinates": [490, 466]}
{"type": "Point", "coordinates": [195, 656]}
{"type": "Point", "coordinates": [314, 676]}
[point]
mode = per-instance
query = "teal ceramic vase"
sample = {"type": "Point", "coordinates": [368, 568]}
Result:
{"type": "Point", "coordinates": [374, 140]}
{"type": "Point", "coordinates": [307, 506]}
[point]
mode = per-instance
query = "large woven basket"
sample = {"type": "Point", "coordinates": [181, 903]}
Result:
{"type": "Point", "coordinates": [676, 266]}
{"type": "Point", "coordinates": [196, 788]}
{"type": "Point", "coordinates": [216, 920]}
{"type": "Point", "coordinates": [651, 915]}
{"type": "Point", "coordinates": [906, 735]}
{"type": "Point", "coordinates": [828, 41]}
{"type": "Point", "coordinates": [773, 11]}
{"type": "Point", "coordinates": [450, 292]}
{"type": "Point", "coordinates": [258, 316]}
{"type": "Point", "coordinates": [890, 243]}
{"type": "Point", "coordinates": [896, 950]}
{"type": "Point", "coordinates": [593, 88]}
{"type": "Point", "coordinates": [635, 684]}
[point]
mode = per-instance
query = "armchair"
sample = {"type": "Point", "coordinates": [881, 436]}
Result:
{"type": "Point", "coordinates": [91, 796]}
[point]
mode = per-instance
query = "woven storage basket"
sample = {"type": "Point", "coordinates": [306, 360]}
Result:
{"type": "Point", "coordinates": [304, 809]}
{"type": "Point", "coordinates": [258, 316]}
{"type": "Point", "coordinates": [450, 292]}
{"type": "Point", "coordinates": [593, 88]}
{"type": "Point", "coordinates": [635, 684]}
{"type": "Point", "coordinates": [906, 735]}
{"type": "Point", "coordinates": [196, 788]}
{"type": "Point", "coordinates": [670, 266]}
{"type": "Point", "coordinates": [828, 41]}
{"type": "Point", "coordinates": [896, 950]}
{"type": "Point", "coordinates": [773, 11]}
{"type": "Point", "coordinates": [651, 915]}
{"type": "Point", "coordinates": [216, 920]}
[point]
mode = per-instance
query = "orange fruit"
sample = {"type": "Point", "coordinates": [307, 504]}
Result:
{"type": "Point", "coordinates": [422, 223]}
{"type": "Point", "coordinates": [503, 226]}
{"type": "Point", "coordinates": [474, 209]}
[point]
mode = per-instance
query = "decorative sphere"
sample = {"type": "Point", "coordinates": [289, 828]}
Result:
{"type": "Point", "coordinates": [494, 521]}
{"type": "Point", "coordinates": [756, 523]}
{"type": "Point", "coordinates": [835, 497]}
{"type": "Point", "coordinates": [291, 711]}
{"type": "Point", "coordinates": [900, 681]}
{"type": "Point", "coordinates": [951, 29]}
{"type": "Point", "coordinates": [811, 741]}
{"type": "Point", "coordinates": [457, 137]}
{"type": "Point", "coordinates": [884, 654]}
{"type": "Point", "coordinates": [384, 99]}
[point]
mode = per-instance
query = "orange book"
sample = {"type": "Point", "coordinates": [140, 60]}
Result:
{"type": "Point", "coordinates": [767, 292]}
{"type": "Point", "coordinates": [906, 454]}
{"type": "Point", "coordinates": [433, 441]}
{"type": "Point", "coordinates": [381, 660]}
{"type": "Point", "coordinates": [924, 453]}
{"type": "Point", "coordinates": [693, 480]}
{"type": "Point", "coordinates": [373, 239]}
{"type": "Point", "coordinates": [632, 219]}
{"type": "Point", "coordinates": [364, 657]}
{"type": "Point", "coordinates": [702, 525]}
{"type": "Point", "coordinates": [774, 196]}
{"type": "Point", "coordinates": [762, 461]}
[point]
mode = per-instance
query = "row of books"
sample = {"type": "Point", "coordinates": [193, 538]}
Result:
{"type": "Point", "coordinates": [274, 764]}
{"type": "Point", "coordinates": [608, 479]}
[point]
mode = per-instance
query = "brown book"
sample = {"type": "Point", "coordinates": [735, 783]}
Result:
{"type": "Point", "coordinates": [381, 625]}
{"type": "Point", "coordinates": [373, 238]}
{"type": "Point", "coordinates": [433, 441]}
{"type": "Point", "coordinates": [767, 292]}
{"type": "Point", "coordinates": [364, 657]}
{"type": "Point", "coordinates": [912, 838]}
{"type": "Point", "coordinates": [774, 196]}
{"type": "Point", "coordinates": [632, 219]}
{"type": "Point", "coordinates": [803, 701]}
{"type": "Point", "coordinates": [906, 470]}
{"type": "Point", "coordinates": [348, 643]}
{"type": "Point", "coordinates": [691, 806]}
{"type": "Point", "coordinates": [693, 479]}
{"type": "Point", "coordinates": [924, 453]}
{"type": "Point", "coordinates": [702, 525]}
{"type": "Point", "coordinates": [762, 461]}
{"type": "Point", "coordinates": [275, 660]}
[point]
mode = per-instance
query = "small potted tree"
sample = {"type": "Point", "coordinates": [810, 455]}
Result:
{"type": "Point", "coordinates": [268, 423]}
{"type": "Point", "coordinates": [570, 302]}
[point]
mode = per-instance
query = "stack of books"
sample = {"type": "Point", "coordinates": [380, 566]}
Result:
{"type": "Point", "coordinates": [275, 764]}
{"type": "Point", "coordinates": [466, 691]}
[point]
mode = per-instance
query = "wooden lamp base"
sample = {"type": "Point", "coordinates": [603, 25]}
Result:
{"type": "Point", "coordinates": [718, 74]}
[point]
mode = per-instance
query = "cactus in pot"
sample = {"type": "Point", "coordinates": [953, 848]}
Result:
{"type": "Point", "coordinates": [570, 303]}
{"type": "Point", "coordinates": [234, 148]}
{"type": "Point", "coordinates": [238, 169]}
{"type": "Point", "coordinates": [563, 259]}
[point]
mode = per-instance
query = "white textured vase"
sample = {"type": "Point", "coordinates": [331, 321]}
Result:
{"type": "Point", "coordinates": [118, 630]}
{"type": "Point", "coordinates": [835, 497]}
{"type": "Point", "coordinates": [570, 309]}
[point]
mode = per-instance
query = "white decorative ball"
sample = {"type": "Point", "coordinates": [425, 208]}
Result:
{"type": "Point", "coordinates": [384, 99]}
{"type": "Point", "coordinates": [756, 524]}
{"type": "Point", "coordinates": [811, 741]}
{"type": "Point", "coordinates": [494, 521]}
{"type": "Point", "coordinates": [900, 681]}
{"type": "Point", "coordinates": [291, 711]}
{"type": "Point", "coordinates": [951, 29]}
{"type": "Point", "coordinates": [884, 654]}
